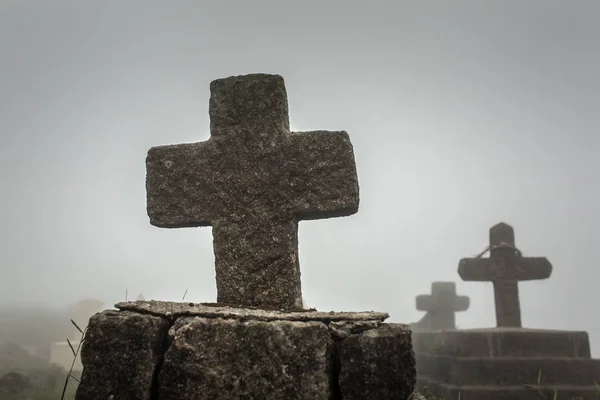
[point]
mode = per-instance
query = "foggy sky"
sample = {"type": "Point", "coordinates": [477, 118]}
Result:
{"type": "Point", "coordinates": [462, 114]}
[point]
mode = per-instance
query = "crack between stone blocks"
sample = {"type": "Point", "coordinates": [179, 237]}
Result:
{"type": "Point", "coordinates": [336, 391]}
{"type": "Point", "coordinates": [164, 347]}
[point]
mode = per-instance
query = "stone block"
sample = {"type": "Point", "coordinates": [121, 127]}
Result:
{"type": "Point", "coordinates": [377, 364]}
{"type": "Point", "coordinates": [506, 363]}
{"type": "Point", "coordinates": [121, 354]}
{"type": "Point", "coordinates": [504, 342]}
{"type": "Point", "coordinates": [232, 359]}
{"type": "Point", "coordinates": [183, 351]}
{"type": "Point", "coordinates": [516, 371]}
{"type": "Point", "coordinates": [510, 371]}
{"type": "Point", "coordinates": [450, 392]}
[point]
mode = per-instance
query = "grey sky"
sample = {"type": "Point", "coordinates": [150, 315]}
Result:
{"type": "Point", "coordinates": [462, 114]}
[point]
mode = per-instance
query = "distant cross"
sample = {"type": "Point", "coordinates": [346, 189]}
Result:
{"type": "Point", "coordinates": [441, 305]}
{"type": "Point", "coordinates": [505, 268]}
{"type": "Point", "coordinates": [253, 181]}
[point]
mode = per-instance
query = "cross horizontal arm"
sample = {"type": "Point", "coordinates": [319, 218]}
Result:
{"type": "Point", "coordinates": [533, 268]}
{"type": "Point", "coordinates": [489, 269]}
{"type": "Point", "coordinates": [178, 195]}
{"type": "Point", "coordinates": [322, 172]}
{"type": "Point", "coordinates": [475, 269]}
{"type": "Point", "coordinates": [462, 303]}
{"type": "Point", "coordinates": [424, 302]}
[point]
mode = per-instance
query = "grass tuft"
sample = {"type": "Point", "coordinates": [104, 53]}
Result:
{"type": "Point", "coordinates": [75, 354]}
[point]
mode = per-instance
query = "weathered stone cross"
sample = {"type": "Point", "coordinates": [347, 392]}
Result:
{"type": "Point", "coordinates": [505, 268]}
{"type": "Point", "coordinates": [252, 181]}
{"type": "Point", "coordinates": [441, 305]}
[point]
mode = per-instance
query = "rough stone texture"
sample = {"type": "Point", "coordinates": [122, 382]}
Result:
{"type": "Point", "coordinates": [231, 359]}
{"type": "Point", "coordinates": [499, 364]}
{"type": "Point", "coordinates": [377, 364]}
{"type": "Point", "coordinates": [505, 268]}
{"type": "Point", "coordinates": [171, 310]}
{"type": "Point", "coordinates": [440, 305]}
{"type": "Point", "coordinates": [218, 352]}
{"type": "Point", "coordinates": [120, 354]}
{"type": "Point", "coordinates": [344, 329]}
{"type": "Point", "coordinates": [252, 181]}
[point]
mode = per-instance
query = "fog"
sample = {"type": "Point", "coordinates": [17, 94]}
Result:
{"type": "Point", "coordinates": [462, 115]}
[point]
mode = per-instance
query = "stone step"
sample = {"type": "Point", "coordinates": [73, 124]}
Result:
{"type": "Point", "coordinates": [498, 342]}
{"type": "Point", "coordinates": [518, 371]}
{"type": "Point", "coordinates": [563, 392]}
{"type": "Point", "coordinates": [509, 370]}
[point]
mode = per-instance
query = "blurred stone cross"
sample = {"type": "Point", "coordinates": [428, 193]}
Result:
{"type": "Point", "coordinates": [505, 268]}
{"type": "Point", "coordinates": [253, 180]}
{"type": "Point", "coordinates": [441, 306]}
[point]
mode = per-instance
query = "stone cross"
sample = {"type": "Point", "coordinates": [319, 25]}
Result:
{"type": "Point", "coordinates": [253, 181]}
{"type": "Point", "coordinates": [441, 305]}
{"type": "Point", "coordinates": [505, 268]}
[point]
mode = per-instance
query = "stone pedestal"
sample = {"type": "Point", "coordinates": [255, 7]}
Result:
{"type": "Point", "coordinates": [506, 363]}
{"type": "Point", "coordinates": [169, 351]}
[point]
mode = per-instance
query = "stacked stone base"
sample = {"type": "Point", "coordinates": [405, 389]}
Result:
{"type": "Point", "coordinates": [507, 363]}
{"type": "Point", "coordinates": [167, 351]}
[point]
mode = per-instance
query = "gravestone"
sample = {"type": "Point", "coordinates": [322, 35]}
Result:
{"type": "Point", "coordinates": [505, 268]}
{"type": "Point", "coordinates": [441, 306]}
{"type": "Point", "coordinates": [508, 362]}
{"type": "Point", "coordinates": [60, 352]}
{"type": "Point", "coordinates": [252, 181]}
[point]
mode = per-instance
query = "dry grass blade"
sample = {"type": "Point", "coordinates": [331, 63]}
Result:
{"type": "Point", "coordinates": [71, 346]}
{"type": "Point", "coordinates": [72, 377]}
{"type": "Point", "coordinates": [76, 352]}
{"type": "Point", "coordinates": [183, 298]}
{"type": "Point", "coordinates": [77, 326]}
